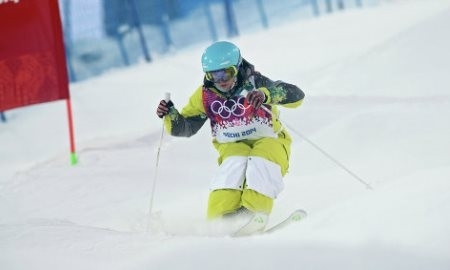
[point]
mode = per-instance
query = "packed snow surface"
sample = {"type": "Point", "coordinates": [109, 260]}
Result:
{"type": "Point", "coordinates": [377, 101]}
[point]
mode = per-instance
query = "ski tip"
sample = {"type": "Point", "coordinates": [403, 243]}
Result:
{"type": "Point", "coordinates": [300, 213]}
{"type": "Point", "coordinates": [255, 225]}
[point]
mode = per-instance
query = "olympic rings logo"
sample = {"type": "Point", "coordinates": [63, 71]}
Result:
{"type": "Point", "coordinates": [229, 108]}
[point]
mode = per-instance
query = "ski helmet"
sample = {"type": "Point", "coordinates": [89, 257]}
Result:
{"type": "Point", "coordinates": [220, 55]}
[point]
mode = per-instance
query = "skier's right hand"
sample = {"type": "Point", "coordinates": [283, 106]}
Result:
{"type": "Point", "coordinates": [163, 108]}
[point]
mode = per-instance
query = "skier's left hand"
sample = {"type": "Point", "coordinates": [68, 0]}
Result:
{"type": "Point", "coordinates": [256, 98]}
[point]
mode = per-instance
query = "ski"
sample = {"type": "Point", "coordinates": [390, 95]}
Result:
{"type": "Point", "coordinates": [295, 216]}
{"type": "Point", "coordinates": [257, 224]}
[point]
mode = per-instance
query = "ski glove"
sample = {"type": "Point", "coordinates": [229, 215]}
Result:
{"type": "Point", "coordinates": [164, 108]}
{"type": "Point", "coordinates": [256, 98]}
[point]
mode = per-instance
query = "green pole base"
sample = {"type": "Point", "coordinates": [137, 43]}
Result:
{"type": "Point", "coordinates": [73, 159]}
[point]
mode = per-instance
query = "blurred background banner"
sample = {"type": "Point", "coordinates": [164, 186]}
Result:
{"type": "Point", "coordinates": [101, 35]}
{"type": "Point", "coordinates": [32, 58]}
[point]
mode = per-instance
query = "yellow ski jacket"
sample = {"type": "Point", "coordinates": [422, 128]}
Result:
{"type": "Point", "coordinates": [231, 117]}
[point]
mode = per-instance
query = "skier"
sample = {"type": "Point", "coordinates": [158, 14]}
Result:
{"type": "Point", "coordinates": [253, 147]}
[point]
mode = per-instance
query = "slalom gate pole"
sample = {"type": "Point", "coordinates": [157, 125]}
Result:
{"type": "Point", "coordinates": [155, 176]}
{"type": "Point", "coordinates": [73, 155]}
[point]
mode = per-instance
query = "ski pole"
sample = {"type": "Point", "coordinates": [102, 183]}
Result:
{"type": "Point", "coordinates": [155, 177]}
{"type": "Point", "coordinates": [330, 157]}
{"type": "Point", "coordinates": [318, 148]}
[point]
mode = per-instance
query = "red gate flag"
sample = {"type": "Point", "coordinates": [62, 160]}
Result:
{"type": "Point", "coordinates": [32, 60]}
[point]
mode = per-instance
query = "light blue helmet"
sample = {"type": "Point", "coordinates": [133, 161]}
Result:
{"type": "Point", "coordinates": [220, 55]}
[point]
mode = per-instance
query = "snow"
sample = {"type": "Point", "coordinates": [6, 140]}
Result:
{"type": "Point", "coordinates": [377, 83]}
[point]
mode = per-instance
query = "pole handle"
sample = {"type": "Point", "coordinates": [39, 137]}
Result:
{"type": "Point", "coordinates": [167, 97]}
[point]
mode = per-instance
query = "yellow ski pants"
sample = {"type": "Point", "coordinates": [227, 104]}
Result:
{"type": "Point", "coordinates": [276, 150]}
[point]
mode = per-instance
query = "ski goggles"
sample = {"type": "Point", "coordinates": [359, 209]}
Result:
{"type": "Point", "coordinates": [221, 75]}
